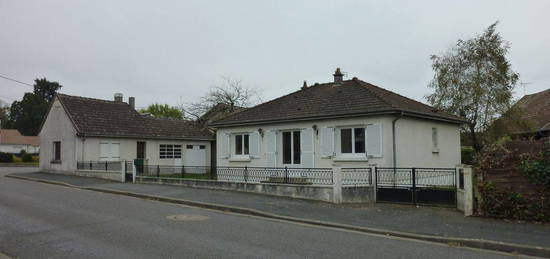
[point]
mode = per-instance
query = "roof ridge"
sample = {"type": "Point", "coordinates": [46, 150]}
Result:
{"type": "Point", "coordinates": [273, 100]}
{"type": "Point", "coordinates": [391, 92]}
{"type": "Point", "coordinates": [89, 98]}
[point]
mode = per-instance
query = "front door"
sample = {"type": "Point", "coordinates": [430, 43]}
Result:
{"type": "Point", "coordinates": [140, 156]}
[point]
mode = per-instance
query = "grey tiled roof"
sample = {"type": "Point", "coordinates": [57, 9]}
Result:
{"type": "Point", "coordinates": [94, 117]}
{"type": "Point", "coordinates": [331, 100]}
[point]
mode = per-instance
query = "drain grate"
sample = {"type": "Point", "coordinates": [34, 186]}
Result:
{"type": "Point", "coordinates": [187, 217]}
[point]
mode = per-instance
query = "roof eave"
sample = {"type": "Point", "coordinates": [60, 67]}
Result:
{"type": "Point", "coordinates": [349, 115]}
{"type": "Point", "coordinates": [144, 137]}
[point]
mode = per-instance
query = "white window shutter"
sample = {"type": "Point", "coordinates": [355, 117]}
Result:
{"type": "Point", "coordinates": [306, 151]}
{"type": "Point", "coordinates": [104, 150]}
{"type": "Point", "coordinates": [271, 151]}
{"type": "Point", "coordinates": [374, 140]}
{"type": "Point", "coordinates": [115, 151]}
{"type": "Point", "coordinates": [224, 146]}
{"type": "Point", "coordinates": [327, 142]}
{"type": "Point", "coordinates": [254, 144]}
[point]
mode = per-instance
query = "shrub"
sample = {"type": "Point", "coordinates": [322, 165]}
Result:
{"type": "Point", "coordinates": [468, 155]}
{"type": "Point", "coordinates": [6, 157]}
{"type": "Point", "coordinates": [27, 158]}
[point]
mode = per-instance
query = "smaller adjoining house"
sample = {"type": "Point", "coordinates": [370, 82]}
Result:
{"type": "Point", "coordinates": [11, 141]}
{"type": "Point", "coordinates": [80, 131]}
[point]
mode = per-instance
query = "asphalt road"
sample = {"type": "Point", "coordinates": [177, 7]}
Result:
{"type": "Point", "coordinates": [47, 221]}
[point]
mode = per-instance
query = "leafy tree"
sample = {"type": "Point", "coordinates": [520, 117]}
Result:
{"type": "Point", "coordinates": [475, 81]}
{"type": "Point", "coordinates": [5, 122]}
{"type": "Point", "coordinates": [27, 115]}
{"type": "Point", "coordinates": [229, 97]}
{"type": "Point", "coordinates": [163, 111]}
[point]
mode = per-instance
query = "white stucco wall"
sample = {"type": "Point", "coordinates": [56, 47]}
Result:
{"type": "Point", "coordinates": [413, 140]}
{"type": "Point", "coordinates": [58, 127]}
{"type": "Point", "coordinates": [89, 149]}
{"type": "Point", "coordinates": [414, 143]}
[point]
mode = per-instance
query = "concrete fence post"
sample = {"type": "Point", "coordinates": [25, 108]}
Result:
{"type": "Point", "coordinates": [337, 184]}
{"type": "Point", "coordinates": [123, 171]}
{"type": "Point", "coordinates": [133, 172]}
{"type": "Point", "coordinates": [373, 181]}
{"type": "Point", "coordinates": [468, 191]}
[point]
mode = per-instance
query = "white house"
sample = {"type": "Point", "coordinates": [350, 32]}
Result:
{"type": "Point", "coordinates": [86, 129]}
{"type": "Point", "coordinates": [11, 141]}
{"type": "Point", "coordinates": [348, 123]}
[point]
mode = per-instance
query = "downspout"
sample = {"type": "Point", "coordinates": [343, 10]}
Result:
{"type": "Point", "coordinates": [393, 139]}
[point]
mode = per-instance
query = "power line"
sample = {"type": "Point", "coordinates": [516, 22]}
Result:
{"type": "Point", "coordinates": [14, 80]}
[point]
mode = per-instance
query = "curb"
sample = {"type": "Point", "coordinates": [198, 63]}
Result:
{"type": "Point", "coordinates": [463, 242]}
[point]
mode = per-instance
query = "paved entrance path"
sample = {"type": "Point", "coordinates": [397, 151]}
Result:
{"type": "Point", "coordinates": [405, 218]}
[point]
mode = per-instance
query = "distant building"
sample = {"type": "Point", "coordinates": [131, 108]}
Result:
{"type": "Point", "coordinates": [534, 119]}
{"type": "Point", "coordinates": [11, 141]}
{"type": "Point", "coordinates": [536, 109]}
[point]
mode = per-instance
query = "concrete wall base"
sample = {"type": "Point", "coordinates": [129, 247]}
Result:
{"type": "Point", "coordinates": [112, 176]}
{"type": "Point", "coordinates": [308, 192]}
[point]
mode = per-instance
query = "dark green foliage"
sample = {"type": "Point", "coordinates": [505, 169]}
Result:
{"type": "Point", "coordinates": [27, 115]}
{"type": "Point", "coordinates": [163, 111]}
{"type": "Point", "coordinates": [537, 168]}
{"type": "Point", "coordinates": [27, 158]}
{"type": "Point", "coordinates": [6, 157]}
{"type": "Point", "coordinates": [512, 205]}
{"type": "Point", "coordinates": [468, 155]}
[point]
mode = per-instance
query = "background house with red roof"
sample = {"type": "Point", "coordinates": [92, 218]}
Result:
{"type": "Point", "coordinates": [11, 141]}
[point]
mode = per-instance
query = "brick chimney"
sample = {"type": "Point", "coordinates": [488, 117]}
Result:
{"type": "Point", "coordinates": [132, 102]}
{"type": "Point", "coordinates": [338, 76]}
{"type": "Point", "coordinates": [118, 97]}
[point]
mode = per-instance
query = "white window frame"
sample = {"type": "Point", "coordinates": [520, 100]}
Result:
{"type": "Point", "coordinates": [170, 151]}
{"type": "Point", "coordinates": [291, 146]}
{"type": "Point", "coordinates": [234, 146]}
{"type": "Point", "coordinates": [353, 153]}
{"type": "Point", "coordinates": [435, 140]}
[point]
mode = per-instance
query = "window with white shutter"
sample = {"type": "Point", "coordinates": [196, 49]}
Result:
{"type": "Point", "coordinates": [374, 140]}
{"type": "Point", "coordinates": [307, 148]}
{"type": "Point", "coordinates": [327, 142]}
{"type": "Point", "coordinates": [271, 148]}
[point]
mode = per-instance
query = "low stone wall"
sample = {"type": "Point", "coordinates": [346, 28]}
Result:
{"type": "Point", "coordinates": [112, 176]}
{"type": "Point", "coordinates": [358, 194]}
{"type": "Point", "coordinates": [308, 192]}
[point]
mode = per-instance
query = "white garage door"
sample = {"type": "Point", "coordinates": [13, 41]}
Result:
{"type": "Point", "coordinates": [195, 155]}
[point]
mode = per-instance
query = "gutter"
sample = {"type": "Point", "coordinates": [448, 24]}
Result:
{"type": "Point", "coordinates": [345, 115]}
{"type": "Point", "coordinates": [393, 139]}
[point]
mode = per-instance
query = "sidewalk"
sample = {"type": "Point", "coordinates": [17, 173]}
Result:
{"type": "Point", "coordinates": [403, 218]}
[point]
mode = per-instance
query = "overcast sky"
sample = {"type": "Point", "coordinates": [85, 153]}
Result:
{"type": "Point", "coordinates": [173, 51]}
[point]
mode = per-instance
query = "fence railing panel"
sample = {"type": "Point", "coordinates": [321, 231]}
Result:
{"type": "Point", "coordinates": [105, 166]}
{"type": "Point", "coordinates": [356, 176]}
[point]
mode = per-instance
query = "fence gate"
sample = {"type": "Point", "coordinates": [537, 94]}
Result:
{"type": "Point", "coordinates": [427, 186]}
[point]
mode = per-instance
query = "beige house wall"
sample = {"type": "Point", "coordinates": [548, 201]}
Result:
{"type": "Point", "coordinates": [58, 127]}
{"type": "Point", "coordinates": [413, 141]}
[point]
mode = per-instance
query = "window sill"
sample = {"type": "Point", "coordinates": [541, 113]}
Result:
{"type": "Point", "coordinates": [55, 162]}
{"type": "Point", "coordinates": [239, 159]}
{"type": "Point", "coordinates": [349, 158]}
{"type": "Point", "coordinates": [435, 150]}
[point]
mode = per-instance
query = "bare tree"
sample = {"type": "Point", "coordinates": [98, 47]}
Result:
{"type": "Point", "coordinates": [228, 97]}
